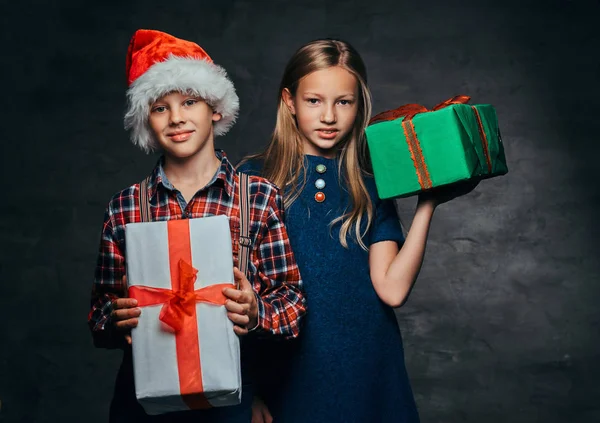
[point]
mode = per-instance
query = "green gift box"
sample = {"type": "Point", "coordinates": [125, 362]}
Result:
{"type": "Point", "coordinates": [414, 149]}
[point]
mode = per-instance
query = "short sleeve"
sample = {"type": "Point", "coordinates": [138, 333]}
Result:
{"type": "Point", "coordinates": [386, 224]}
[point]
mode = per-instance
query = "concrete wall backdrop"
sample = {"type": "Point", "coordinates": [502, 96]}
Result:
{"type": "Point", "coordinates": [503, 324]}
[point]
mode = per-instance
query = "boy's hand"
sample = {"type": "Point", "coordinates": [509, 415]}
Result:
{"type": "Point", "coordinates": [260, 412]}
{"type": "Point", "coordinates": [125, 315]}
{"type": "Point", "coordinates": [241, 305]}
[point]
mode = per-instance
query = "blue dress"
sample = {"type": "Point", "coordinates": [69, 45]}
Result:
{"type": "Point", "coordinates": [348, 363]}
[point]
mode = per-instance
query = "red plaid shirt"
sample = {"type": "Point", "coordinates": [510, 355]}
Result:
{"type": "Point", "coordinates": [274, 273]}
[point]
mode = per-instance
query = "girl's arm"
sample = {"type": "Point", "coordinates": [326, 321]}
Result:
{"type": "Point", "coordinates": [394, 272]}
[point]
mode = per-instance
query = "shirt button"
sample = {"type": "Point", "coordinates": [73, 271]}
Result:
{"type": "Point", "coordinates": [320, 183]}
{"type": "Point", "coordinates": [319, 197]}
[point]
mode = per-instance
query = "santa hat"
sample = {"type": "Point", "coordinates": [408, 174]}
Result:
{"type": "Point", "coordinates": [157, 64]}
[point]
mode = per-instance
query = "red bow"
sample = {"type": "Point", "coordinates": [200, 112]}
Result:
{"type": "Point", "coordinates": [181, 303]}
{"type": "Point", "coordinates": [410, 110]}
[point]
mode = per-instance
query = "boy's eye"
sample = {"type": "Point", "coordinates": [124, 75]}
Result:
{"type": "Point", "coordinates": [159, 109]}
{"type": "Point", "coordinates": [190, 102]}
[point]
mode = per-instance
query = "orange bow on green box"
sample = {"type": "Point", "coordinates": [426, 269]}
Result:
{"type": "Point", "coordinates": [415, 149]}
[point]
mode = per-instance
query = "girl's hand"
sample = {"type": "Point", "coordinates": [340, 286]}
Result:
{"type": "Point", "coordinates": [440, 195]}
{"type": "Point", "coordinates": [260, 411]}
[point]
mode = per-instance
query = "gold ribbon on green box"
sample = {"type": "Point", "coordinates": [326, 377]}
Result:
{"type": "Point", "coordinates": [415, 149]}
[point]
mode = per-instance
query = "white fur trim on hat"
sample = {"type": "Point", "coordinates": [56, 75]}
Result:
{"type": "Point", "coordinates": [183, 74]}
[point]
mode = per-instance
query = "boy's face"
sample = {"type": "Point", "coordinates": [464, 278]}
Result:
{"type": "Point", "coordinates": [183, 124]}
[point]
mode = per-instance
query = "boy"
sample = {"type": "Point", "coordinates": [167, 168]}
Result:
{"type": "Point", "coordinates": [178, 101]}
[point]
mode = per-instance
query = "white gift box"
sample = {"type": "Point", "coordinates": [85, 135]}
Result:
{"type": "Point", "coordinates": [196, 365]}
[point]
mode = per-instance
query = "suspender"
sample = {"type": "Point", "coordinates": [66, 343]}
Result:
{"type": "Point", "coordinates": [145, 201]}
{"type": "Point", "coordinates": [245, 241]}
{"type": "Point", "coordinates": [244, 209]}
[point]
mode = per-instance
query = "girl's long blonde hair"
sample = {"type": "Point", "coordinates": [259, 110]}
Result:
{"type": "Point", "coordinates": [283, 160]}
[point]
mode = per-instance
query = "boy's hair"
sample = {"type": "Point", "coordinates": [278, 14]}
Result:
{"type": "Point", "coordinates": [158, 64]}
{"type": "Point", "coordinates": [284, 157]}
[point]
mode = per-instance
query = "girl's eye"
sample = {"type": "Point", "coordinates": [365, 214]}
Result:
{"type": "Point", "coordinates": [345, 102]}
{"type": "Point", "coordinates": [159, 109]}
{"type": "Point", "coordinates": [313, 101]}
{"type": "Point", "coordinates": [190, 102]}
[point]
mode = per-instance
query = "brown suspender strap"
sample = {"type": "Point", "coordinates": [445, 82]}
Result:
{"type": "Point", "coordinates": [245, 242]}
{"type": "Point", "coordinates": [145, 201]}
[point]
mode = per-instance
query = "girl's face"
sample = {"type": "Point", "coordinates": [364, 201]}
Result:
{"type": "Point", "coordinates": [182, 124]}
{"type": "Point", "coordinates": [325, 106]}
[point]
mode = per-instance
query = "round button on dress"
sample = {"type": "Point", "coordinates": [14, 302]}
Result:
{"type": "Point", "coordinates": [319, 197]}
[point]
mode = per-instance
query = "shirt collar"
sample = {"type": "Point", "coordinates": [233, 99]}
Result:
{"type": "Point", "coordinates": [225, 176]}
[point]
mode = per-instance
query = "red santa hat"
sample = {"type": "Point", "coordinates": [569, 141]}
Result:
{"type": "Point", "coordinates": [157, 64]}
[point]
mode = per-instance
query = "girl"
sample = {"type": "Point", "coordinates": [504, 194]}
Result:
{"type": "Point", "coordinates": [347, 365]}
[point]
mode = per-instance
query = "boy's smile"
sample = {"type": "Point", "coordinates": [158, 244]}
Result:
{"type": "Point", "coordinates": [183, 124]}
{"type": "Point", "coordinates": [179, 136]}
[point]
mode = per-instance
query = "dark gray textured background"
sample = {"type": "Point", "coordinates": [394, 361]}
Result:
{"type": "Point", "coordinates": [503, 325]}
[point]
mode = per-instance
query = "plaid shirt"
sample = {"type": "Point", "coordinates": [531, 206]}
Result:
{"type": "Point", "coordinates": [274, 274]}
